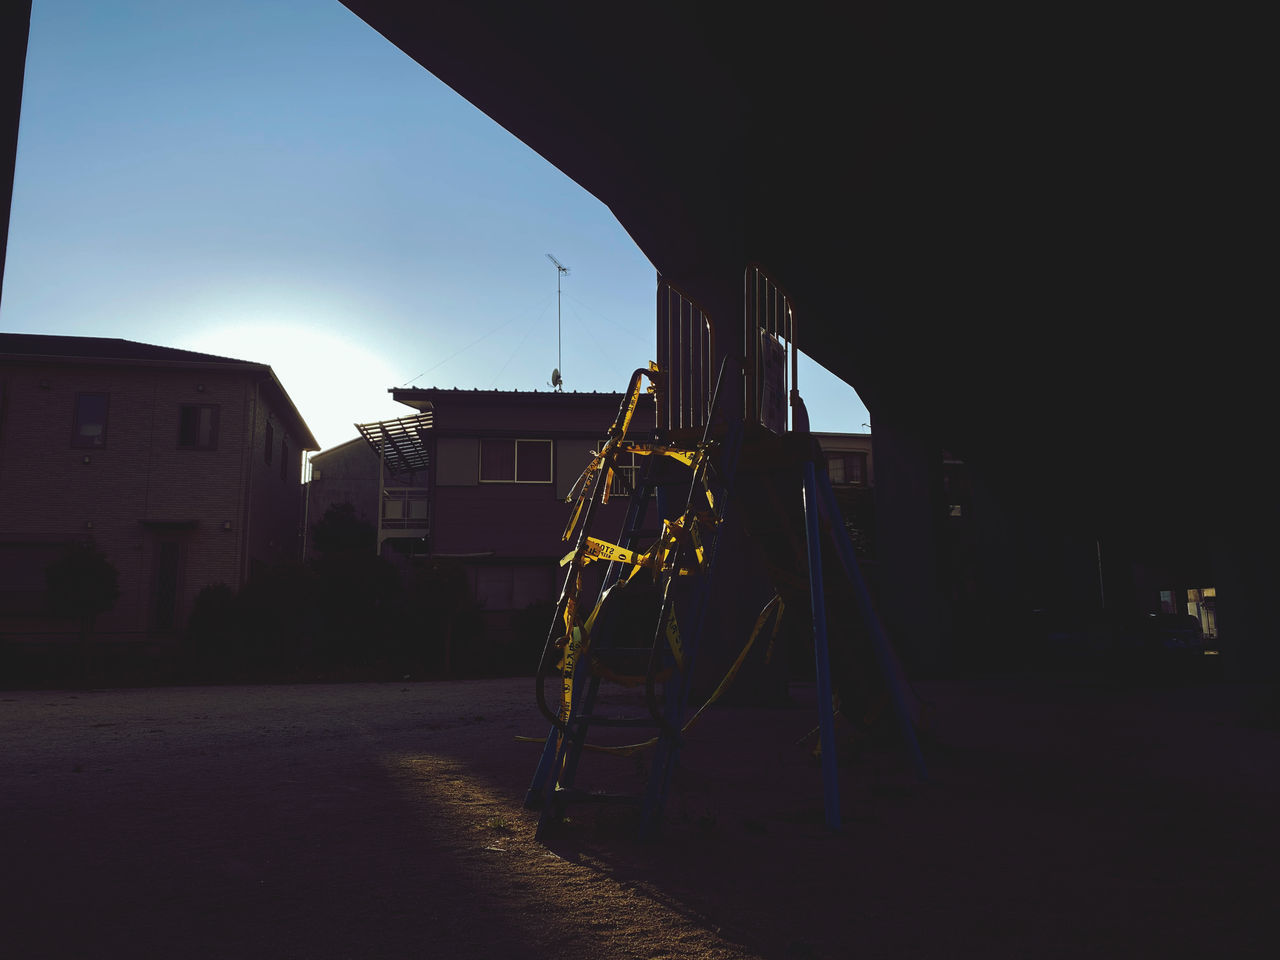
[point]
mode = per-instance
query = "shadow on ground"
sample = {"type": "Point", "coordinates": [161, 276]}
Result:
{"type": "Point", "coordinates": [385, 820]}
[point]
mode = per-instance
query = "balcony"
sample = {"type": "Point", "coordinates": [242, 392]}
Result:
{"type": "Point", "coordinates": [406, 514]}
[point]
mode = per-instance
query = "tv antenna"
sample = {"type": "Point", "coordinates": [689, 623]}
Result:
{"type": "Point", "coordinates": [561, 271]}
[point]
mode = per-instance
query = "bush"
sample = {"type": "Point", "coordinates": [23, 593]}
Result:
{"type": "Point", "coordinates": [82, 584]}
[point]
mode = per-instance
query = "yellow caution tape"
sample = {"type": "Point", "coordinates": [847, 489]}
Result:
{"type": "Point", "coordinates": [570, 661]}
{"type": "Point", "coordinates": [696, 538]}
{"type": "Point", "coordinates": [774, 606]}
{"type": "Point", "coordinates": [576, 512]}
{"type": "Point", "coordinates": [775, 603]}
{"type": "Point", "coordinates": [645, 449]}
{"type": "Point", "coordinates": [602, 550]}
{"type": "Point", "coordinates": [672, 631]}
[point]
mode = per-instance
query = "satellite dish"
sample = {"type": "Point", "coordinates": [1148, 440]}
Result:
{"type": "Point", "coordinates": [556, 380]}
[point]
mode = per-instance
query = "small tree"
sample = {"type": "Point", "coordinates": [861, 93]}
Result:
{"type": "Point", "coordinates": [82, 584]}
{"type": "Point", "coordinates": [359, 591]}
{"type": "Point", "coordinates": [342, 532]}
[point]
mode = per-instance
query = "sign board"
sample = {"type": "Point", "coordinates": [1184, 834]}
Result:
{"type": "Point", "coordinates": [773, 389]}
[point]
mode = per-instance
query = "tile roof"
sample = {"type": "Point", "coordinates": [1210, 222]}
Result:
{"type": "Point", "coordinates": [118, 351]}
{"type": "Point", "coordinates": [105, 348]}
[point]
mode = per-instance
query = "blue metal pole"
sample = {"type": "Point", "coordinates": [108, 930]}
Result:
{"type": "Point", "coordinates": [879, 643]}
{"type": "Point", "coordinates": [826, 712]}
{"type": "Point", "coordinates": [535, 798]}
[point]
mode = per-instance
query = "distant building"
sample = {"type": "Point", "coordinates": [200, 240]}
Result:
{"type": "Point", "coordinates": [182, 467]}
{"type": "Point", "coordinates": [478, 477]}
{"type": "Point", "coordinates": [848, 458]}
{"type": "Point", "coordinates": [347, 473]}
{"type": "Point", "coordinates": [481, 477]}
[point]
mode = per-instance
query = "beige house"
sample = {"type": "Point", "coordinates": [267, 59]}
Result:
{"type": "Point", "coordinates": [848, 458]}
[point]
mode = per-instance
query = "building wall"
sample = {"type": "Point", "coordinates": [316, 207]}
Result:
{"type": "Point", "coordinates": [350, 473]}
{"type": "Point", "coordinates": [171, 518]}
{"type": "Point", "coordinates": [347, 473]}
{"type": "Point", "coordinates": [857, 444]}
{"type": "Point", "coordinates": [475, 412]}
{"type": "Point", "coordinates": [519, 520]}
{"type": "Point", "coordinates": [273, 482]}
{"type": "Point", "coordinates": [506, 534]}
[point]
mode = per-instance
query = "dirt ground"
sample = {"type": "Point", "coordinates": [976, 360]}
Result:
{"type": "Point", "coordinates": [385, 821]}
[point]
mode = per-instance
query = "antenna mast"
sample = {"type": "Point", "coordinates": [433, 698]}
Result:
{"type": "Point", "coordinates": [561, 271]}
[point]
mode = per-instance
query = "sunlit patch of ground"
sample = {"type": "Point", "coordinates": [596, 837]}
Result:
{"type": "Point", "coordinates": [386, 820]}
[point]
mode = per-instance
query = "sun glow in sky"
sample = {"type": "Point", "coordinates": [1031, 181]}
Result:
{"type": "Point", "coordinates": [331, 378]}
{"type": "Point", "coordinates": [272, 180]}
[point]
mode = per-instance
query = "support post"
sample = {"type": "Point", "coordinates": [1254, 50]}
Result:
{"type": "Point", "coordinates": [822, 661]}
{"type": "Point", "coordinates": [889, 668]}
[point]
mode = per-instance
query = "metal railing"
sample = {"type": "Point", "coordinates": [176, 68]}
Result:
{"type": "Point", "coordinates": [625, 476]}
{"type": "Point", "coordinates": [686, 360]}
{"type": "Point", "coordinates": [768, 336]}
{"type": "Point", "coordinates": [406, 508]}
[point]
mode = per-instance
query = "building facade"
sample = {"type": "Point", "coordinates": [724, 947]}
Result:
{"type": "Point", "coordinates": [183, 468]}
{"type": "Point", "coordinates": [481, 477]}
{"type": "Point", "coordinates": [477, 477]}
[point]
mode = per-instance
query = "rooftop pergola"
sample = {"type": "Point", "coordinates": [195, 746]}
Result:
{"type": "Point", "coordinates": [399, 444]}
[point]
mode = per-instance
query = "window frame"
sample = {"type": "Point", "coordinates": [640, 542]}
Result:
{"type": "Point", "coordinates": [79, 441]}
{"type": "Point", "coordinates": [515, 443]}
{"type": "Point", "coordinates": [551, 460]}
{"type": "Point", "coordinates": [214, 426]}
{"type": "Point", "coordinates": [626, 475]}
{"type": "Point", "coordinates": [850, 465]}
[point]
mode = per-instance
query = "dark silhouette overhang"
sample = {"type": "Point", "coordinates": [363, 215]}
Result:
{"type": "Point", "coordinates": [991, 224]}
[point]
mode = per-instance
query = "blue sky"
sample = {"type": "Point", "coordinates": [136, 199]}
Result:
{"type": "Point", "coordinates": [274, 181]}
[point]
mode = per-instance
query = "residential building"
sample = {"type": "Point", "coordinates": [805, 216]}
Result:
{"type": "Point", "coordinates": [479, 477]}
{"type": "Point", "coordinates": [848, 458]}
{"type": "Point", "coordinates": [183, 468]}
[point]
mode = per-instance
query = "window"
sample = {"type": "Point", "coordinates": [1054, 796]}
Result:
{"type": "Point", "coordinates": [456, 461]}
{"type": "Point", "coordinates": [284, 458]}
{"type": "Point", "coordinates": [855, 467]}
{"type": "Point", "coordinates": [269, 443]}
{"type": "Point", "coordinates": [515, 461]}
{"type": "Point", "coordinates": [198, 426]}
{"type": "Point", "coordinates": [847, 468]}
{"type": "Point", "coordinates": [506, 587]}
{"type": "Point", "coordinates": [625, 475]}
{"type": "Point", "coordinates": [497, 461]}
{"type": "Point", "coordinates": [533, 461]}
{"type": "Point", "coordinates": [89, 428]}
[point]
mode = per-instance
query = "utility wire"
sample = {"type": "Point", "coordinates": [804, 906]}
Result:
{"type": "Point", "coordinates": [467, 347]}
{"type": "Point", "coordinates": [630, 331]}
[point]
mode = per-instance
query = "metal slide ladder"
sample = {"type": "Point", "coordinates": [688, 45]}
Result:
{"type": "Point", "coordinates": [669, 580]}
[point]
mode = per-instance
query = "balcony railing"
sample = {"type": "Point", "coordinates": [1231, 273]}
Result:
{"type": "Point", "coordinates": [686, 359]}
{"type": "Point", "coordinates": [406, 508]}
{"type": "Point", "coordinates": [769, 338]}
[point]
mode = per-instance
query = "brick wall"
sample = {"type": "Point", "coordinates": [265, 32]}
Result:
{"type": "Point", "coordinates": [172, 518]}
